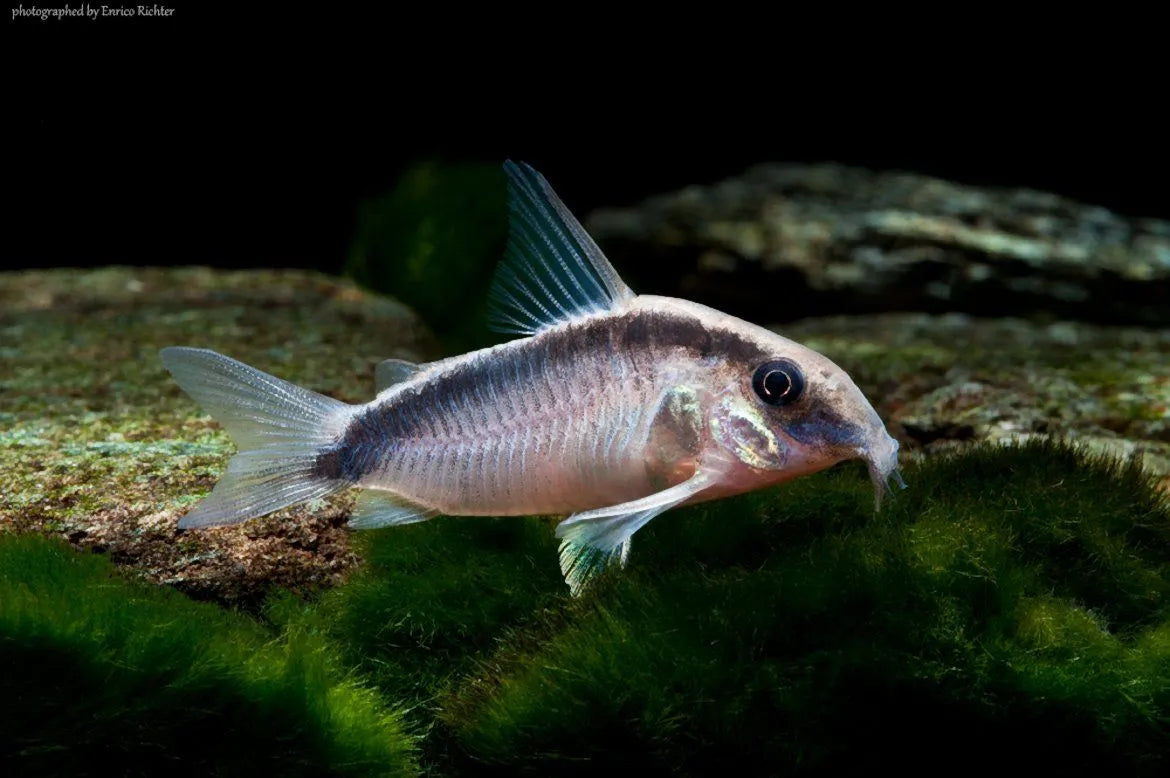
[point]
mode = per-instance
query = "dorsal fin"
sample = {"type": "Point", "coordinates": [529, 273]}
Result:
{"type": "Point", "coordinates": [393, 371]}
{"type": "Point", "coordinates": [552, 271]}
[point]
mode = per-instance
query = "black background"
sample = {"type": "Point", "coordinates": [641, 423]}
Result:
{"type": "Point", "coordinates": [239, 138]}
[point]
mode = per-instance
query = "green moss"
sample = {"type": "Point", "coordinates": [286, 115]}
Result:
{"type": "Point", "coordinates": [430, 598]}
{"type": "Point", "coordinates": [100, 673]}
{"type": "Point", "coordinates": [1011, 600]}
{"type": "Point", "coordinates": [430, 602]}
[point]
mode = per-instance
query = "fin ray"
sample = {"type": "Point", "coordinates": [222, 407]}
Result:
{"type": "Point", "coordinates": [258, 482]}
{"type": "Point", "coordinates": [279, 427]}
{"type": "Point", "coordinates": [592, 540]}
{"type": "Point", "coordinates": [394, 371]}
{"type": "Point", "coordinates": [385, 509]}
{"type": "Point", "coordinates": [255, 408]}
{"type": "Point", "coordinates": [552, 270]}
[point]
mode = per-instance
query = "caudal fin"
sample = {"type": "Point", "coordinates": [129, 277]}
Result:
{"type": "Point", "coordinates": [281, 430]}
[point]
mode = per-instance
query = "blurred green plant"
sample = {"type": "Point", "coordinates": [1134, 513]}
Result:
{"type": "Point", "coordinates": [433, 243]}
{"type": "Point", "coordinates": [99, 674]}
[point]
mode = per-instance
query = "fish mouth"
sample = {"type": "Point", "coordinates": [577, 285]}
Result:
{"type": "Point", "coordinates": [882, 462]}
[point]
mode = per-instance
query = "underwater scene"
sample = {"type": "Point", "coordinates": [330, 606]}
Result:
{"type": "Point", "coordinates": [801, 468]}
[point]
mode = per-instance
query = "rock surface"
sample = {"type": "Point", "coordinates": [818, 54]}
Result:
{"type": "Point", "coordinates": [782, 242]}
{"type": "Point", "coordinates": [99, 445]}
{"type": "Point", "coordinates": [941, 381]}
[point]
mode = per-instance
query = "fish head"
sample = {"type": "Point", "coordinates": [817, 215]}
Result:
{"type": "Point", "coordinates": [782, 410]}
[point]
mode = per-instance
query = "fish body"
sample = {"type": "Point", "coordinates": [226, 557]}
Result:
{"type": "Point", "coordinates": [596, 412]}
{"type": "Point", "coordinates": [614, 408]}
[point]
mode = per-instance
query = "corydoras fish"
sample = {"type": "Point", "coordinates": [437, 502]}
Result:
{"type": "Point", "coordinates": [613, 408]}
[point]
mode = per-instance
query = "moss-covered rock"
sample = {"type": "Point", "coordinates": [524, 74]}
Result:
{"type": "Point", "coordinates": [101, 676]}
{"type": "Point", "coordinates": [1013, 606]}
{"type": "Point", "coordinates": [98, 444]}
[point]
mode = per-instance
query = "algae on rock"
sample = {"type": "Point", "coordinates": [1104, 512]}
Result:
{"type": "Point", "coordinates": [99, 445]}
{"type": "Point", "coordinates": [940, 381]}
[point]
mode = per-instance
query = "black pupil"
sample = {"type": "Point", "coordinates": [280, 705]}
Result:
{"type": "Point", "coordinates": [778, 382]}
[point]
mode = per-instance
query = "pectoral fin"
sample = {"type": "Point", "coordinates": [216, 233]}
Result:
{"type": "Point", "coordinates": [591, 540]}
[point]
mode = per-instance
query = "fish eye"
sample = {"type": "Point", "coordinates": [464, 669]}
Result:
{"type": "Point", "coordinates": [778, 382]}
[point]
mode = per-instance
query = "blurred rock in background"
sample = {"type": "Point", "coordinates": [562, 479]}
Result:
{"type": "Point", "coordinates": [783, 242]}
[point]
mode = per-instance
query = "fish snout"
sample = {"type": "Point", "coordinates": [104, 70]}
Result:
{"type": "Point", "coordinates": [881, 457]}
